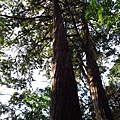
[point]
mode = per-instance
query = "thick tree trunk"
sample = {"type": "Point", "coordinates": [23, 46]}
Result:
{"type": "Point", "coordinates": [64, 98]}
{"type": "Point", "coordinates": [100, 102]}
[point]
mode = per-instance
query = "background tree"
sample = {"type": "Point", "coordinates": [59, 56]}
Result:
{"type": "Point", "coordinates": [100, 102]}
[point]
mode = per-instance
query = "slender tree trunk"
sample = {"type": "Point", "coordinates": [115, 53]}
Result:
{"type": "Point", "coordinates": [64, 98]}
{"type": "Point", "coordinates": [100, 102]}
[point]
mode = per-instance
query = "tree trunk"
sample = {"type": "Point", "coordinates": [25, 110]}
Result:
{"type": "Point", "coordinates": [100, 102]}
{"type": "Point", "coordinates": [64, 98]}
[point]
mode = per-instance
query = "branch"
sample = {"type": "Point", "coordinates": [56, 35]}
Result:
{"type": "Point", "coordinates": [84, 74]}
{"type": "Point", "coordinates": [72, 35]}
{"type": "Point", "coordinates": [27, 18]}
{"type": "Point", "coordinates": [73, 19]}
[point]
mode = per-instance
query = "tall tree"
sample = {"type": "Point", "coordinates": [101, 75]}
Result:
{"type": "Point", "coordinates": [93, 78]}
{"type": "Point", "coordinates": [64, 100]}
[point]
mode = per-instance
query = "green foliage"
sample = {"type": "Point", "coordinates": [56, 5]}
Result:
{"type": "Point", "coordinates": [104, 17]}
{"type": "Point", "coordinates": [115, 71]}
{"type": "Point", "coordinates": [29, 105]}
{"type": "Point", "coordinates": [113, 90]}
{"type": "Point", "coordinates": [27, 39]}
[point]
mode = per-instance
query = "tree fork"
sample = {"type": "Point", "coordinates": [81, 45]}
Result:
{"type": "Point", "coordinates": [64, 98]}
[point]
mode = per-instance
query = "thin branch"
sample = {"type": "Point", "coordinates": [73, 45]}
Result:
{"type": "Point", "coordinates": [5, 94]}
{"type": "Point", "coordinates": [73, 19]}
{"type": "Point", "coordinates": [84, 74]}
{"type": "Point", "coordinates": [27, 18]}
{"type": "Point", "coordinates": [72, 35]}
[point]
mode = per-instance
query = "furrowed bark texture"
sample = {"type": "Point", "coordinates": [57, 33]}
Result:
{"type": "Point", "coordinates": [64, 98]}
{"type": "Point", "coordinates": [100, 102]}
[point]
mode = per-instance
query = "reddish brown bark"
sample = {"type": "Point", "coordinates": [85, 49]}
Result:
{"type": "Point", "coordinates": [100, 102]}
{"type": "Point", "coordinates": [64, 98]}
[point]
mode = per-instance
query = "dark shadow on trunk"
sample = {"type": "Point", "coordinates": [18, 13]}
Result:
{"type": "Point", "coordinates": [64, 98]}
